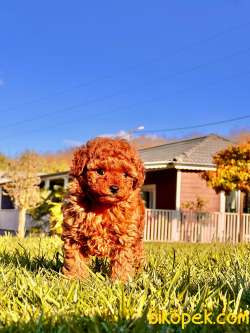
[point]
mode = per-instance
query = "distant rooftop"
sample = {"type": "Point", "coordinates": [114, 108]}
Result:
{"type": "Point", "coordinates": [192, 151]}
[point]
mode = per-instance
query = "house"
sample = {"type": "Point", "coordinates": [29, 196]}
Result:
{"type": "Point", "coordinates": [173, 177]}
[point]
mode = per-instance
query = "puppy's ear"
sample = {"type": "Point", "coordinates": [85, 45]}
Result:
{"type": "Point", "coordinates": [139, 180]}
{"type": "Point", "coordinates": [79, 161]}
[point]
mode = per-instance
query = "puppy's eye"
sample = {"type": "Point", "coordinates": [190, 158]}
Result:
{"type": "Point", "coordinates": [100, 172]}
{"type": "Point", "coordinates": [125, 174]}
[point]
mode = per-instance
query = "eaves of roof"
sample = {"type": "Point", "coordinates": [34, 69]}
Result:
{"type": "Point", "coordinates": [161, 165]}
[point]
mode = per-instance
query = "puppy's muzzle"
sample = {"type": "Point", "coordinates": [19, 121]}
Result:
{"type": "Point", "coordinates": [114, 189]}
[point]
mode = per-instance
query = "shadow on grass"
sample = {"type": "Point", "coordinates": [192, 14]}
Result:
{"type": "Point", "coordinates": [81, 324]}
{"type": "Point", "coordinates": [23, 258]}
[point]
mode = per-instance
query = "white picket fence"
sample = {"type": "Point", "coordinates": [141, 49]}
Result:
{"type": "Point", "coordinates": [173, 226]}
{"type": "Point", "coordinates": [177, 226]}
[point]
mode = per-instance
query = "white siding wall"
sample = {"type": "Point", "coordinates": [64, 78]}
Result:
{"type": "Point", "coordinates": [9, 219]}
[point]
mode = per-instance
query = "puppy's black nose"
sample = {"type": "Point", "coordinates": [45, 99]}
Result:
{"type": "Point", "coordinates": [114, 189]}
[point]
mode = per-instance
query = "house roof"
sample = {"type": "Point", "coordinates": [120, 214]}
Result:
{"type": "Point", "coordinates": [196, 151]}
{"type": "Point", "coordinates": [3, 179]}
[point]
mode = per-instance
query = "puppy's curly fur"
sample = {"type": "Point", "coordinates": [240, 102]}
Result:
{"type": "Point", "coordinates": [103, 211]}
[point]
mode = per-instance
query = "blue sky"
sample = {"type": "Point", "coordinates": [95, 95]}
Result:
{"type": "Point", "coordinates": [71, 70]}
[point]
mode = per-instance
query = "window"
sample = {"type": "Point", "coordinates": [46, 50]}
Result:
{"type": "Point", "coordinates": [246, 207]}
{"type": "Point", "coordinates": [42, 184]}
{"type": "Point", "coordinates": [149, 195]}
{"type": "Point", "coordinates": [6, 202]}
{"type": "Point", "coordinates": [231, 202]}
{"type": "Point", "coordinates": [56, 182]}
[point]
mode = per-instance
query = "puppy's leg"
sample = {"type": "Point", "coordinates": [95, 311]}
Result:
{"type": "Point", "coordinates": [75, 263]}
{"type": "Point", "coordinates": [139, 256]}
{"type": "Point", "coordinates": [122, 265]}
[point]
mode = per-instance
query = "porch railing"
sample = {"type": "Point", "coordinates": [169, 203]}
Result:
{"type": "Point", "coordinates": [171, 225]}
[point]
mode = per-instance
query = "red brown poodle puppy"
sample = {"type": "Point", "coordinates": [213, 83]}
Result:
{"type": "Point", "coordinates": [103, 211]}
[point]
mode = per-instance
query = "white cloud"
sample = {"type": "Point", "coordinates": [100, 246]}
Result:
{"type": "Point", "coordinates": [121, 133]}
{"type": "Point", "coordinates": [124, 134]}
{"type": "Point", "coordinates": [130, 133]}
{"type": "Point", "coordinates": [72, 143]}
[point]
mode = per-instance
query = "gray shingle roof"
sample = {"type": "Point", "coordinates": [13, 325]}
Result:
{"type": "Point", "coordinates": [192, 151]}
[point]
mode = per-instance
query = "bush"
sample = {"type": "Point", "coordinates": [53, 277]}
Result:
{"type": "Point", "coordinates": [49, 212]}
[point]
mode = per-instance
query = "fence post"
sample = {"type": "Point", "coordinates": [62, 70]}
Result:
{"type": "Point", "coordinates": [239, 236]}
{"type": "Point", "coordinates": [221, 227]}
{"type": "Point", "coordinates": [175, 226]}
{"type": "Point", "coordinates": [221, 218]}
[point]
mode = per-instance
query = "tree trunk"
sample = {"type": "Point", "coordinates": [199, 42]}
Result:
{"type": "Point", "coordinates": [21, 222]}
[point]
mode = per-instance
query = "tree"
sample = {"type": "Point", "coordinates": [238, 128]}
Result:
{"type": "Point", "coordinates": [233, 169]}
{"type": "Point", "coordinates": [240, 136]}
{"type": "Point", "coordinates": [3, 162]}
{"type": "Point", "coordinates": [23, 187]}
{"type": "Point", "coordinates": [147, 141]}
{"type": "Point", "coordinates": [197, 205]}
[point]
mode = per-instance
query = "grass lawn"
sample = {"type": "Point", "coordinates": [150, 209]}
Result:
{"type": "Point", "coordinates": [190, 278]}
